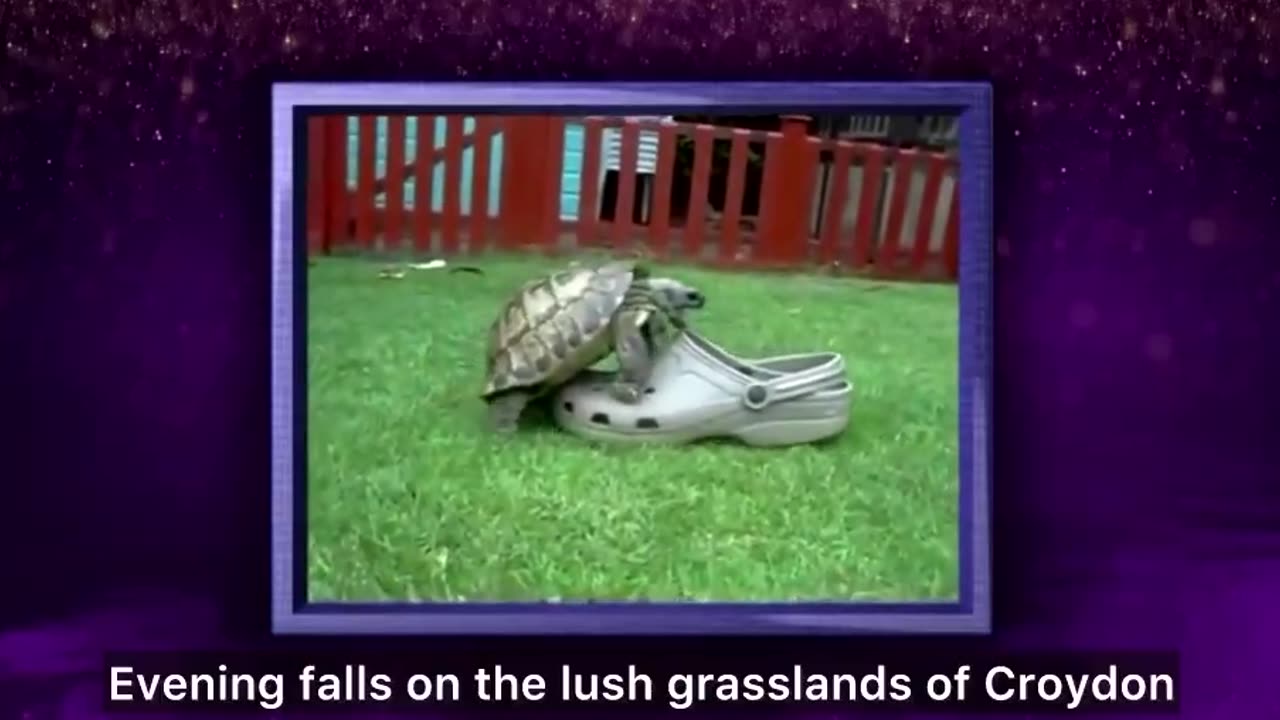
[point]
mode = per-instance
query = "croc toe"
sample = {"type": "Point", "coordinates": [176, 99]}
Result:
{"type": "Point", "coordinates": [699, 390]}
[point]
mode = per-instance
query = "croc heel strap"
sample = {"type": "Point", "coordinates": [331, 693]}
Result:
{"type": "Point", "coordinates": [809, 377]}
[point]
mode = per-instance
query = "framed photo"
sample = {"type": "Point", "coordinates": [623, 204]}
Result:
{"type": "Point", "coordinates": [810, 453]}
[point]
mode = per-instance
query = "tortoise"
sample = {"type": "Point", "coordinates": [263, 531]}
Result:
{"type": "Point", "coordinates": [560, 325]}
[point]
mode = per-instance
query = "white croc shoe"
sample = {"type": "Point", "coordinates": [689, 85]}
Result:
{"type": "Point", "coordinates": [698, 391]}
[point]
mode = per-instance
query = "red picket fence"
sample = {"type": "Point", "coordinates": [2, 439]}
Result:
{"type": "Point", "coordinates": [886, 219]}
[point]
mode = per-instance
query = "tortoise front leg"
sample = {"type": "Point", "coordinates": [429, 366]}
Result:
{"type": "Point", "coordinates": [635, 355]}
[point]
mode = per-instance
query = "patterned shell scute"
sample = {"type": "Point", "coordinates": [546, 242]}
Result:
{"type": "Point", "coordinates": [553, 327]}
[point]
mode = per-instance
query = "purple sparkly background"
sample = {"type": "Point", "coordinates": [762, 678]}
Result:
{"type": "Point", "coordinates": [1137, 279]}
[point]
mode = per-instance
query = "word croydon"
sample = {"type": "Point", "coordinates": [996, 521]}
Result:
{"type": "Point", "coordinates": [1004, 684]}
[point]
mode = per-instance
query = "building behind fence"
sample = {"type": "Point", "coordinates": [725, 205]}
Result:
{"type": "Point", "coordinates": [447, 184]}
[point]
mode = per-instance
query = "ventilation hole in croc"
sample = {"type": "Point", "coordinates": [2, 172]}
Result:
{"type": "Point", "coordinates": [648, 391]}
{"type": "Point", "coordinates": [647, 424]}
{"type": "Point", "coordinates": [600, 419]}
{"type": "Point", "coordinates": [568, 407]}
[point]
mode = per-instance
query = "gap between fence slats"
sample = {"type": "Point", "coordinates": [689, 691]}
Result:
{"type": "Point", "coordinates": [730, 234]}
{"type": "Point", "coordinates": [589, 182]}
{"type": "Point", "coordinates": [903, 171]}
{"type": "Point", "coordinates": [481, 161]}
{"type": "Point", "coordinates": [424, 145]}
{"type": "Point", "coordinates": [660, 217]}
{"type": "Point", "coordinates": [921, 246]}
{"type": "Point", "coordinates": [696, 215]}
{"type": "Point", "coordinates": [365, 169]}
{"type": "Point", "coordinates": [393, 225]}
{"type": "Point", "coordinates": [451, 213]}
{"type": "Point", "coordinates": [628, 154]}
{"type": "Point", "coordinates": [833, 218]}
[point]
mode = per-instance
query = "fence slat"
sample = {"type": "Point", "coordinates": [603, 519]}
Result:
{"type": "Point", "coordinates": [394, 224]}
{"type": "Point", "coordinates": [696, 216]}
{"type": "Point", "coordinates": [481, 159]}
{"type": "Point", "coordinates": [624, 205]}
{"type": "Point", "coordinates": [337, 197]}
{"type": "Point", "coordinates": [317, 241]}
{"type": "Point", "coordinates": [951, 238]}
{"type": "Point", "coordinates": [935, 164]}
{"type": "Point", "coordinates": [730, 234]}
{"type": "Point", "coordinates": [553, 171]}
{"type": "Point", "coordinates": [524, 171]}
{"type": "Point", "coordinates": [423, 177]}
{"type": "Point", "coordinates": [589, 181]}
{"type": "Point", "coordinates": [837, 198]}
{"type": "Point", "coordinates": [788, 232]}
{"type": "Point", "coordinates": [660, 217]}
{"type": "Point", "coordinates": [769, 185]}
{"type": "Point", "coordinates": [800, 249]}
{"type": "Point", "coordinates": [903, 170]}
{"type": "Point", "coordinates": [365, 169]}
{"type": "Point", "coordinates": [868, 225]}
{"type": "Point", "coordinates": [451, 215]}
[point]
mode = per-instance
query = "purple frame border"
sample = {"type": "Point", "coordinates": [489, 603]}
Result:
{"type": "Point", "coordinates": [971, 614]}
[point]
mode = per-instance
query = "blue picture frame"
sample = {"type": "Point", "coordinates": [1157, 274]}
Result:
{"type": "Point", "coordinates": [291, 614]}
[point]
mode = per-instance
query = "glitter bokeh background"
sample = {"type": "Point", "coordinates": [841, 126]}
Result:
{"type": "Point", "coordinates": [1138, 272]}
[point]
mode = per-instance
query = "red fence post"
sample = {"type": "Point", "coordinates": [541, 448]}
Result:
{"type": "Point", "coordinates": [525, 168]}
{"type": "Point", "coordinates": [337, 198]}
{"type": "Point", "coordinates": [317, 237]}
{"type": "Point", "coordinates": [552, 160]}
{"type": "Point", "coordinates": [786, 237]}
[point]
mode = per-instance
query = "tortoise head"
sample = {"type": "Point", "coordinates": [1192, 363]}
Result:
{"type": "Point", "coordinates": [674, 296]}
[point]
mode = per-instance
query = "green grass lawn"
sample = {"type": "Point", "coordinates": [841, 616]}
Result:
{"type": "Point", "coordinates": [411, 498]}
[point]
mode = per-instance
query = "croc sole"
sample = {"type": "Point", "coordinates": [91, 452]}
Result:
{"type": "Point", "coordinates": [698, 397]}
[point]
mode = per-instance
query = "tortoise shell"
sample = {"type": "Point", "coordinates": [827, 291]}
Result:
{"type": "Point", "coordinates": [555, 327]}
